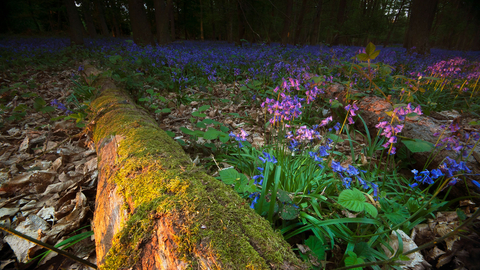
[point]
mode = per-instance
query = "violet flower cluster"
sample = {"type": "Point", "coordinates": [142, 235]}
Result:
{"type": "Point", "coordinates": [346, 175]}
{"type": "Point", "coordinates": [285, 110]}
{"type": "Point", "coordinates": [60, 106]}
{"type": "Point", "coordinates": [241, 137]}
{"type": "Point", "coordinates": [453, 142]}
{"type": "Point", "coordinates": [390, 130]}
{"type": "Point", "coordinates": [351, 109]}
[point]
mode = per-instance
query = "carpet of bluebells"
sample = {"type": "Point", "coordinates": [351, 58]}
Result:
{"type": "Point", "coordinates": [315, 194]}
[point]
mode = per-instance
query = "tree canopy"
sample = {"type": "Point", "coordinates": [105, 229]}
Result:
{"type": "Point", "coordinates": [449, 24]}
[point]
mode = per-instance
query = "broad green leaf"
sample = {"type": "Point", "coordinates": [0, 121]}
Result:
{"type": "Point", "coordinates": [417, 145]}
{"type": "Point", "coordinates": [370, 49]}
{"type": "Point", "coordinates": [201, 125]}
{"type": "Point", "coordinates": [229, 176]}
{"type": "Point", "coordinates": [150, 91]}
{"type": "Point", "coordinates": [316, 247]}
{"type": "Point", "coordinates": [170, 133]}
{"type": "Point", "coordinates": [187, 131]}
{"type": "Point", "coordinates": [374, 55]}
{"type": "Point", "coordinates": [335, 138]}
{"type": "Point", "coordinates": [198, 114]}
{"type": "Point", "coordinates": [362, 57]}
{"type": "Point", "coordinates": [211, 134]}
{"type": "Point", "coordinates": [47, 109]}
{"type": "Point", "coordinates": [371, 210]}
{"type": "Point", "coordinates": [352, 259]}
{"type": "Point", "coordinates": [282, 196]}
{"type": "Point", "coordinates": [289, 212]}
{"type": "Point", "coordinates": [352, 199]}
{"type": "Point", "coordinates": [208, 121]}
{"type": "Point", "coordinates": [404, 257]}
{"type": "Point", "coordinates": [39, 103]}
{"type": "Point", "coordinates": [224, 129]}
{"type": "Point", "coordinates": [203, 108]}
{"type": "Point", "coordinates": [224, 137]}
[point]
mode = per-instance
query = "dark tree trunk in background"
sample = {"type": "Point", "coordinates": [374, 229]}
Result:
{"type": "Point", "coordinates": [100, 16]}
{"type": "Point", "coordinates": [161, 20]}
{"type": "Point", "coordinates": [287, 22]}
{"type": "Point", "coordinates": [32, 15]}
{"type": "Point", "coordinates": [142, 34]}
{"type": "Point", "coordinates": [212, 10]}
{"type": "Point", "coordinates": [171, 15]}
{"type": "Point", "coordinates": [241, 24]}
{"type": "Point", "coordinates": [394, 23]}
{"type": "Point", "coordinates": [87, 15]}
{"type": "Point", "coordinates": [115, 18]}
{"type": "Point", "coordinates": [76, 27]}
{"type": "Point", "coordinates": [342, 6]}
{"type": "Point", "coordinates": [422, 13]}
{"type": "Point", "coordinates": [316, 23]}
{"type": "Point", "coordinates": [299, 28]}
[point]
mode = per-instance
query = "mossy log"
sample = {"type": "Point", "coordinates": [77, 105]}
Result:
{"type": "Point", "coordinates": [156, 210]}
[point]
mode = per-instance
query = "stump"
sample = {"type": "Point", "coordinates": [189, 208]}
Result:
{"type": "Point", "coordinates": [156, 210]}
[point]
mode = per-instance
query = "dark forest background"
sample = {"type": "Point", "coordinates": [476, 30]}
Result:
{"type": "Point", "coordinates": [416, 24]}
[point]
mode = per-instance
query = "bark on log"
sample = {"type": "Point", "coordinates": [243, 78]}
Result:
{"type": "Point", "coordinates": [156, 210]}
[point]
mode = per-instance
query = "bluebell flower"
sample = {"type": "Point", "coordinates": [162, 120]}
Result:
{"type": "Point", "coordinates": [337, 167]}
{"type": "Point", "coordinates": [255, 197]}
{"type": "Point", "coordinates": [476, 184]}
{"type": "Point", "coordinates": [268, 158]}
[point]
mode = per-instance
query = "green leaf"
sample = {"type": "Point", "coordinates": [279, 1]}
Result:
{"type": "Point", "coordinates": [316, 246]}
{"type": "Point", "coordinates": [209, 121]}
{"type": "Point", "coordinates": [282, 196]}
{"type": "Point", "coordinates": [211, 134]}
{"type": "Point", "coordinates": [417, 145]}
{"type": "Point", "coordinates": [404, 257]}
{"type": "Point", "coordinates": [370, 49]}
{"type": "Point", "coordinates": [203, 108]}
{"type": "Point", "coordinates": [39, 103]}
{"type": "Point", "coordinates": [362, 57]}
{"type": "Point", "coordinates": [198, 114]}
{"type": "Point", "coordinates": [187, 131]}
{"type": "Point", "coordinates": [224, 137]}
{"type": "Point", "coordinates": [374, 55]}
{"type": "Point", "coordinates": [289, 212]}
{"type": "Point", "coordinates": [335, 138]}
{"type": "Point", "coordinates": [170, 133]}
{"type": "Point", "coordinates": [352, 199]}
{"type": "Point", "coordinates": [201, 125]}
{"type": "Point", "coordinates": [165, 110]}
{"type": "Point", "coordinates": [224, 128]}
{"type": "Point", "coordinates": [229, 176]}
{"type": "Point", "coordinates": [371, 210]}
{"type": "Point", "coordinates": [461, 215]}
{"type": "Point", "coordinates": [47, 109]}
{"type": "Point", "coordinates": [352, 259]}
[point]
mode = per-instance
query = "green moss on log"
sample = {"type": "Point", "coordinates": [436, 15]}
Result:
{"type": "Point", "coordinates": [157, 178]}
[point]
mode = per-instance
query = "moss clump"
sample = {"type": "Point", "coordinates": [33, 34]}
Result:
{"type": "Point", "coordinates": [157, 178]}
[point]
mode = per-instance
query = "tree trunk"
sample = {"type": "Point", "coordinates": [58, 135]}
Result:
{"type": "Point", "coordinates": [421, 19]}
{"type": "Point", "coordinates": [342, 6]}
{"type": "Point", "coordinates": [316, 23]}
{"type": "Point", "coordinates": [212, 13]}
{"type": "Point", "coordinates": [142, 34]}
{"type": "Point", "coordinates": [161, 20]}
{"type": "Point", "coordinates": [286, 22]}
{"type": "Point", "coordinates": [387, 40]}
{"type": "Point", "coordinates": [156, 210]}
{"type": "Point", "coordinates": [76, 27]}
{"type": "Point", "coordinates": [298, 30]}
{"type": "Point", "coordinates": [100, 16]}
{"type": "Point", "coordinates": [171, 15]}
{"type": "Point", "coordinates": [87, 15]}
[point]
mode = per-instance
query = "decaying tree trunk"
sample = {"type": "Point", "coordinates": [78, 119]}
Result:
{"type": "Point", "coordinates": [156, 210]}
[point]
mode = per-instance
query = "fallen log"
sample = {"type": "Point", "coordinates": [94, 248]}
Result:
{"type": "Point", "coordinates": [156, 210]}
